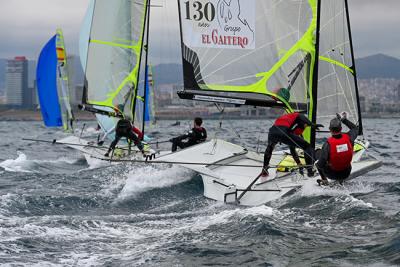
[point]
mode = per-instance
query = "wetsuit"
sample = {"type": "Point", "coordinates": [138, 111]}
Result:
{"type": "Point", "coordinates": [323, 164]}
{"type": "Point", "coordinates": [287, 129]}
{"type": "Point", "coordinates": [124, 128]}
{"type": "Point", "coordinates": [195, 136]}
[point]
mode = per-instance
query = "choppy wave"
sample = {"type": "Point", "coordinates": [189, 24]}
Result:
{"type": "Point", "coordinates": [149, 177]}
{"type": "Point", "coordinates": [23, 164]}
{"type": "Point", "coordinates": [55, 211]}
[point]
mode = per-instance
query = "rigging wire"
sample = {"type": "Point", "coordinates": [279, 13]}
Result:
{"type": "Point", "coordinates": [205, 164]}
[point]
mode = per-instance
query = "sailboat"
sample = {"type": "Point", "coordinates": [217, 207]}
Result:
{"type": "Point", "coordinates": [292, 55]}
{"type": "Point", "coordinates": [113, 46]}
{"type": "Point", "coordinates": [53, 84]}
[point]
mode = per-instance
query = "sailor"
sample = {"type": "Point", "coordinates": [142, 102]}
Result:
{"type": "Point", "coordinates": [197, 135]}
{"type": "Point", "coordinates": [335, 159]}
{"type": "Point", "coordinates": [124, 128]}
{"type": "Point", "coordinates": [288, 129]}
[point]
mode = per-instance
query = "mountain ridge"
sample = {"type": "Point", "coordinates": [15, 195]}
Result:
{"type": "Point", "coordinates": [370, 67]}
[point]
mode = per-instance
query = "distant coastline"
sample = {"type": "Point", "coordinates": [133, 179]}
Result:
{"type": "Point", "coordinates": [30, 115]}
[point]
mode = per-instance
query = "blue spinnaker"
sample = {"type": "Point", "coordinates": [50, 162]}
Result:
{"type": "Point", "coordinates": [46, 76]}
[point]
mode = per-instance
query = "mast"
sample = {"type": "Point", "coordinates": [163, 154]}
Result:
{"type": "Point", "coordinates": [85, 82]}
{"type": "Point", "coordinates": [353, 67]}
{"type": "Point", "coordinates": [135, 91]}
{"type": "Point", "coordinates": [146, 70]}
{"type": "Point", "coordinates": [315, 77]}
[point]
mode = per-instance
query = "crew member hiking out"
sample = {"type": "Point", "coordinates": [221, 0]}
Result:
{"type": "Point", "coordinates": [288, 129]}
{"type": "Point", "coordinates": [197, 135]}
{"type": "Point", "coordinates": [334, 161]}
{"type": "Point", "coordinates": [124, 128]}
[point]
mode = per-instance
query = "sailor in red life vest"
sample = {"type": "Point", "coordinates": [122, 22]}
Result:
{"type": "Point", "coordinates": [197, 135]}
{"type": "Point", "coordinates": [124, 128]}
{"type": "Point", "coordinates": [288, 129]}
{"type": "Point", "coordinates": [334, 161]}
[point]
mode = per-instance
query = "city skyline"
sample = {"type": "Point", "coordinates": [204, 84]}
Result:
{"type": "Point", "coordinates": [25, 26]}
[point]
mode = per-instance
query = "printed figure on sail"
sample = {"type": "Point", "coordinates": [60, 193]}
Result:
{"type": "Point", "coordinates": [232, 19]}
{"type": "Point", "coordinates": [226, 24]}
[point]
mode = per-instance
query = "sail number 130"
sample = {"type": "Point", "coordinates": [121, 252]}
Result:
{"type": "Point", "coordinates": [197, 11]}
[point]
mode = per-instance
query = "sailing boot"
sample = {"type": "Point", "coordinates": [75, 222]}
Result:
{"type": "Point", "coordinates": [322, 182]}
{"type": "Point", "coordinates": [264, 172]}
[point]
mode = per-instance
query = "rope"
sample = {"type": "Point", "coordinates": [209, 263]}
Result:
{"type": "Point", "coordinates": [222, 110]}
{"type": "Point", "coordinates": [195, 163]}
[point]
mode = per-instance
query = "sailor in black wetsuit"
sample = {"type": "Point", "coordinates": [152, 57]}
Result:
{"type": "Point", "coordinates": [197, 135]}
{"type": "Point", "coordinates": [288, 129]}
{"type": "Point", "coordinates": [124, 128]}
{"type": "Point", "coordinates": [337, 153]}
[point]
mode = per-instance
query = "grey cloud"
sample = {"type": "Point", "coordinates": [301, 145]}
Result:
{"type": "Point", "coordinates": [375, 26]}
{"type": "Point", "coordinates": [25, 26]}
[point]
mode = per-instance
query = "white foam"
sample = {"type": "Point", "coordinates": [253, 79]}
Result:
{"type": "Point", "coordinates": [355, 202]}
{"type": "Point", "coordinates": [95, 163]}
{"type": "Point", "coordinates": [146, 178]}
{"type": "Point", "coordinates": [311, 188]}
{"type": "Point", "coordinates": [16, 165]}
{"type": "Point", "coordinates": [222, 217]}
{"type": "Point", "coordinates": [23, 164]}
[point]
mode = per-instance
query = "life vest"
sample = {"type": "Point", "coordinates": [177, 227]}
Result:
{"type": "Point", "coordinates": [198, 135]}
{"type": "Point", "coordinates": [341, 152]}
{"type": "Point", "coordinates": [288, 121]}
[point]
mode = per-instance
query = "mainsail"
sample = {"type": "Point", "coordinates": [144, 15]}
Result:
{"type": "Point", "coordinates": [54, 95]}
{"type": "Point", "coordinates": [107, 123]}
{"type": "Point", "coordinates": [264, 53]}
{"type": "Point", "coordinates": [337, 82]}
{"type": "Point", "coordinates": [252, 52]}
{"type": "Point", "coordinates": [113, 56]}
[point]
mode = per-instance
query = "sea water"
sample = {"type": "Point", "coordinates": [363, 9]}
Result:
{"type": "Point", "coordinates": [55, 210]}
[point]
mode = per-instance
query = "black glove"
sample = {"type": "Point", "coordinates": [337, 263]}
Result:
{"type": "Point", "coordinates": [342, 116]}
{"type": "Point", "coordinates": [100, 143]}
{"type": "Point", "coordinates": [317, 126]}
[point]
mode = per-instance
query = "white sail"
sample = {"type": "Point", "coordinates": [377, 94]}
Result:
{"type": "Point", "coordinates": [111, 39]}
{"type": "Point", "coordinates": [337, 89]}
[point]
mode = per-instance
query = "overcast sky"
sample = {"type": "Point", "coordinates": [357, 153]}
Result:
{"type": "Point", "coordinates": [26, 25]}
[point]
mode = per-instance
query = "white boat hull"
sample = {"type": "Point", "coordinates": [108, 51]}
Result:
{"type": "Point", "coordinates": [227, 171]}
{"type": "Point", "coordinates": [94, 154]}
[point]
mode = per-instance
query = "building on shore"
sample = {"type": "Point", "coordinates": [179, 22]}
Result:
{"type": "Point", "coordinates": [18, 94]}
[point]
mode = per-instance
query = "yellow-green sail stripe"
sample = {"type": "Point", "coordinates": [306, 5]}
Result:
{"type": "Point", "coordinates": [313, 28]}
{"type": "Point", "coordinates": [336, 63]}
{"type": "Point", "coordinates": [133, 47]}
